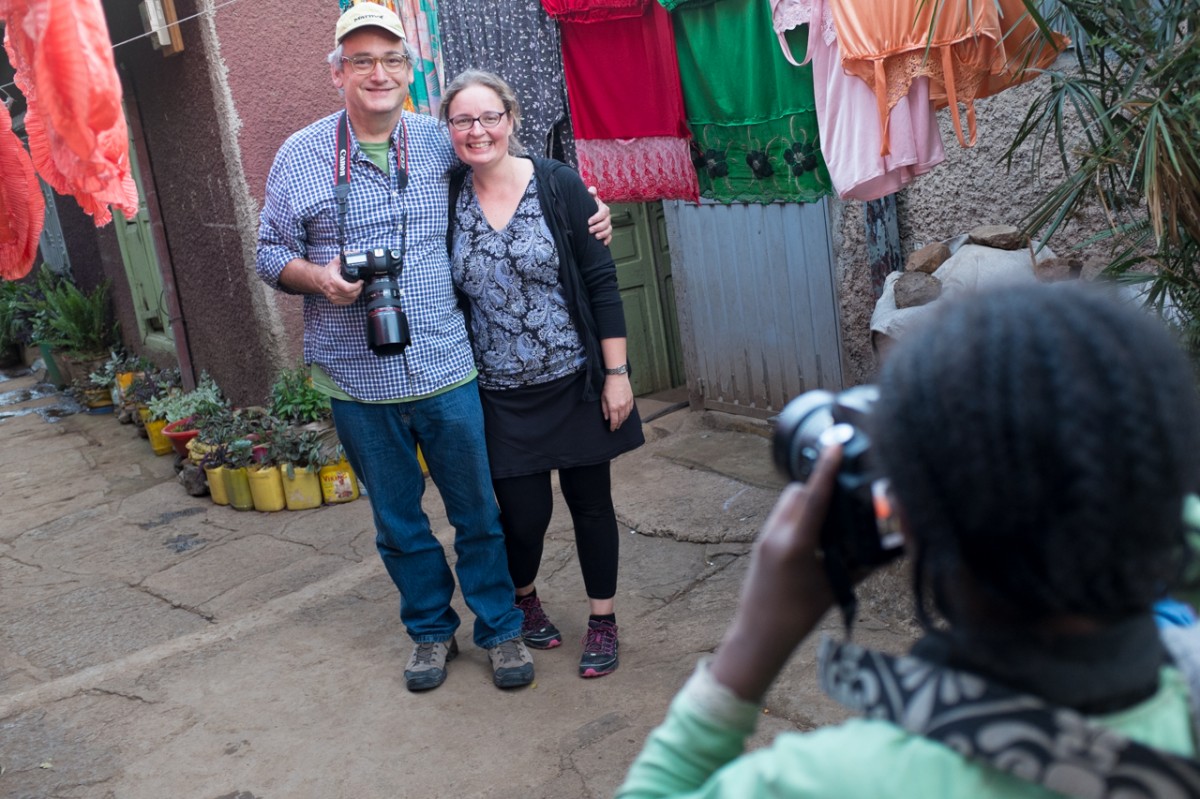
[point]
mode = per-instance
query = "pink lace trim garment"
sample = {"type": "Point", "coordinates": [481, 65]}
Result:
{"type": "Point", "coordinates": [848, 116]}
{"type": "Point", "coordinates": [639, 170]}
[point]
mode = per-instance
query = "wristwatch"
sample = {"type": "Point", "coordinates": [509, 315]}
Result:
{"type": "Point", "coordinates": [623, 369]}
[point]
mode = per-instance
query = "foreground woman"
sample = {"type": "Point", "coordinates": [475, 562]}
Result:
{"type": "Point", "coordinates": [1039, 442]}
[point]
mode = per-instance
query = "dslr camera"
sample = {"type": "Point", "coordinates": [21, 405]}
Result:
{"type": "Point", "coordinates": [387, 326]}
{"type": "Point", "coordinates": [860, 529]}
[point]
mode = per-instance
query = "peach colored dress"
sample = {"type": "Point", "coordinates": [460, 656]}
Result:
{"type": "Point", "coordinates": [967, 48]}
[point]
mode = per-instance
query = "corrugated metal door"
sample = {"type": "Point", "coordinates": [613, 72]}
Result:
{"type": "Point", "coordinates": [758, 308]}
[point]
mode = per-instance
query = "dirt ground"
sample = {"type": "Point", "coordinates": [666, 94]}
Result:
{"type": "Point", "coordinates": [157, 645]}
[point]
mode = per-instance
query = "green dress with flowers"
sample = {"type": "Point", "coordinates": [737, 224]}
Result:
{"type": "Point", "coordinates": [752, 114]}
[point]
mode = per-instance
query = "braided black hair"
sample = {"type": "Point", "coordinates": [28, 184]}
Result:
{"type": "Point", "coordinates": [1041, 439]}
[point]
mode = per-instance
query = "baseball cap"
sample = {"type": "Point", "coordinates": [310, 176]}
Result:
{"type": "Point", "coordinates": [367, 14]}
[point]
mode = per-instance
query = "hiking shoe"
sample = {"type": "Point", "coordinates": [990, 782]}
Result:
{"type": "Point", "coordinates": [537, 630]}
{"type": "Point", "coordinates": [599, 649]}
{"type": "Point", "coordinates": [512, 665]}
{"type": "Point", "coordinates": [427, 666]}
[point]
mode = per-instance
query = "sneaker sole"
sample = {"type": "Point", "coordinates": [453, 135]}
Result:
{"type": "Point", "coordinates": [517, 680]}
{"type": "Point", "coordinates": [536, 644]}
{"type": "Point", "coordinates": [416, 686]}
{"type": "Point", "coordinates": [592, 671]}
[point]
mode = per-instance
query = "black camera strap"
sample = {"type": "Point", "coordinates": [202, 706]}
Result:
{"type": "Point", "coordinates": [341, 177]}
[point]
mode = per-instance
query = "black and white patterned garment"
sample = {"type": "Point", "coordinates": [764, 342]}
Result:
{"type": "Point", "coordinates": [518, 41]}
{"type": "Point", "coordinates": [521, 328]}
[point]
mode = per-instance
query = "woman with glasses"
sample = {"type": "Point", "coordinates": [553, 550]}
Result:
{"type": "Point", "coordinates": [548, 331]}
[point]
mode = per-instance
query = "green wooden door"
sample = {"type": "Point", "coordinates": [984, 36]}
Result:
{"type": "Point", "coordinates": [643, 275]}
{"type": "Point", "coordinates": [142, 269]}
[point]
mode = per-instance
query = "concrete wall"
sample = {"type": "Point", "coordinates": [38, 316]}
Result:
{"type": "Point", "coordinates": [971, 187]}
{"type": "Point", "coordinates": [212, 118]}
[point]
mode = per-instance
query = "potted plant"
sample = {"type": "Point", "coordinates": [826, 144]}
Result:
{"type": "Point", "coordinates": [95, 391]}
{"type": "Point", "coordinates": [10, 340]}
{"type": "Point", "coordinates": [154, 388]}
{"type": "Point", "coordinates": [77, 325]}
{"type": "Point", "coordinates": [30, 320]}
{"type": "Point", "coordinates": [181, 411]}
{"type": "Point", "coordinates": [213, 464]}
{"type": "Point", "coordinates": [238, 457]}
{"type": "Point", "coordinates": [296, 401]}
{"type": "Point", "coordinates": [266, 483]}
{"type": "Point", "coordinates": [338, 483]}
{"type": "Point", "coordinates": [299, 454]}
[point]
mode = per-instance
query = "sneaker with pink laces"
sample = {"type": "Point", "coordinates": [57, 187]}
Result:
{"type": "Point", "coordinates": [536, 628]}
{"type": "Point", "coordinates": [599, 649]}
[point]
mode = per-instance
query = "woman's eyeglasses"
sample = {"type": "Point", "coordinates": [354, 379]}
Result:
{"type": "Point", "coordinates": [488, 119]}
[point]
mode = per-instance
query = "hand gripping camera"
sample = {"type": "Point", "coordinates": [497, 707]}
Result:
{"type": "Point", "coordinates": [860, 529]}
{"type": "Point", "coordinates": [387, 326]}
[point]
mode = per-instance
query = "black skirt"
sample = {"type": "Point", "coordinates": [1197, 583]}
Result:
{"type": "Point", "coordinates": [535, 429]}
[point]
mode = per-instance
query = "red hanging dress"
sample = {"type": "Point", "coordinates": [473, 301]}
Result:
{"type": "Point", "coordinates": [623, 89]}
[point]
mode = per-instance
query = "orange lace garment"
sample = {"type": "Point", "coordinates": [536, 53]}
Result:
{"type": "Point", "coordinates": [77, 136]}
{"type": "Point", "coordinates": [967, 48]}
{"type": "Point", "coordinates": [21, 204]}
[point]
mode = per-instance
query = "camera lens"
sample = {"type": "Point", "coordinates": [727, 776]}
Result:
{"type": "Point", "coordinates": [798, 429]}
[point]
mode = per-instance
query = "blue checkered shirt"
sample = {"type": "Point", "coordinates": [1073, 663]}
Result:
{"type": "Point", "coordinates": [299, 220]}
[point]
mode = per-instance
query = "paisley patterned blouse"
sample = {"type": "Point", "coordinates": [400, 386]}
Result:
{"type": "Point", "coordinates": [521, 328]}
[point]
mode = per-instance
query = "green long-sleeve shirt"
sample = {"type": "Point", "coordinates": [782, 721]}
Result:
{"type": "Point", "coordinates": [698, 752]}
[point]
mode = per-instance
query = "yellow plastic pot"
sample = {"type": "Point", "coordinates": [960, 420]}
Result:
{"type": "Point", "coordinates": [159, 442]}
{"type": "Point", "coordinates": [197, 449]}
{"type": "Point", "coordinates": [216, 484]}
{"type": "Point", "coordinates": [338, 483]}
{"type": "Point", "coordinates": [237, 489]}
{"type": "Point", "coordinates": [302, 491]}
{"type": "Point", "coordinates": [266, 489]}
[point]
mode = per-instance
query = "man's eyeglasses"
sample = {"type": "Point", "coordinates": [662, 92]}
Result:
{"type": "Point", "coordinates": [365, 64]}
{"type": "Point", "coordinates": [489, 119]}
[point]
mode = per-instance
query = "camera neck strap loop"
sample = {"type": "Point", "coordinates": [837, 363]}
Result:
{"type": "Point", "coordinates": [341, 170]}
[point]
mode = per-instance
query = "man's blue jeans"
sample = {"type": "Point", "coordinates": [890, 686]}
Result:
{"type": "Point", "coordinates": [380, 442]}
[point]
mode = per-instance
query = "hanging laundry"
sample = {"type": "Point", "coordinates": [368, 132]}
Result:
{"type": "Point", "coordinates": [1026, 51]}
{"type": "Point", "coordinates": [419, 18]}
{"type": "Point", "coordinates": [753, 117]}
{"type": "Point", "coordinates": [847, 116]}
{"type": "Point", "coordinates": [959, 44]}
{"type": "Point", "coordinates": [520, 43]}
{"type": "Point", "coordinates": [631, 133]}
{"type": "Point", "coordinates": [593, 10]}
{"type": "Point", "coordinates": [22, 207]}
{"type": "Point", "coordinates": [76, 128]}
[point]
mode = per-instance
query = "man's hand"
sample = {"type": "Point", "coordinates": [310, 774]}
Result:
{"type": "Point", "coordinates": [336, 290]}
{"type": "Point", "coordinates": [785, 592]}
{"type": "Point", "coordinates": [600, 223]}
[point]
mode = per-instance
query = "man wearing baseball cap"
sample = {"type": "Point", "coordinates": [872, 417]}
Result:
{"type": "Point", "coordinates": [389, 165]}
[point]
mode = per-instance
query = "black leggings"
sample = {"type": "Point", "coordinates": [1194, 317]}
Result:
{"type": "Point", "coordinates": [526, 503]}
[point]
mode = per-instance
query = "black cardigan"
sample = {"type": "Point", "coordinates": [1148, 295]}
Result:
{"type": "Point", "coordinates": [585, 266]}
